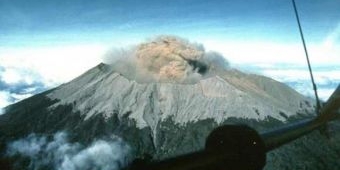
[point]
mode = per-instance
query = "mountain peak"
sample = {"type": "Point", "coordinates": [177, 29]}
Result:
{"type": "Point", "coordinates": [104, 91]}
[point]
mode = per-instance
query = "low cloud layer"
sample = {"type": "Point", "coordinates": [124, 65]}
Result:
{"type": "Point", "coordinates": [60, 154]}
{"type": "Point", "coordinates": [17, 84]}
{"type": "Point", "coordinates": [298, 78]}
{"type": "Point", "coordinates": [166, 59]}
{"type": "Point", "coordinates": [26, 71]}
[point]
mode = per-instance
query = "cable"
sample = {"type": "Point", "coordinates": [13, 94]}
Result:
{"type": "Point", "coordinates": [318, 106]}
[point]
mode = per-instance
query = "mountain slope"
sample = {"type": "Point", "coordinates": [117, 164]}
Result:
{"type": "Point", "coordinates": [164, 102]}
{"type": "Point", "coordinates": [101, 91]}
{"type": "Point", "coordinates": [160, 119]}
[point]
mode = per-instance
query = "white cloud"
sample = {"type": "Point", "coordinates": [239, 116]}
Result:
{"type": "Point", "coordinates": [4, 98]}
{"type": "Point", "coordinates": [30, 90]}
{"type": "Point", "coordinates": [19, 97]}
{"type": "Point", "coordinates": [55, 65]}
{"type": "Point", "coordinates": [254, 52]}
{"type": "Point", "coordinates": [287, 75]}
{"type": "Point", "coordinates": [325, 93]}
{"type": "Point", "coordinates": [101, 154]}
{"type": "Point", "coordinates": [286, 62]}
{"type": "Point", "coordinates": [10, 76]}
{"type": "Point", "coordinates": [332, 38]}
{"type": "Point", "coordinates": [60, 154]}
{"type": "Point", "coordinates": [45, 66]}
{"type": "Point", "coordinates": [7, 98]}
{"type": "Point", "coordinates": [269, 53]}
{"type": "Point", "coordinates": [302, 81]}
{"type": "Point", "coordinates": [321, 77]}
{"type": "Point", "coordinates": [262, 52]}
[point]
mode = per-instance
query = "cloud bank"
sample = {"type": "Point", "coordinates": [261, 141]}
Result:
{"type": "Point", "coordinates": [17, 84]}
{"type": "Point", "coordinates": [60, 154]}
{"type": "Point", "coordinates": [166, 59]}
{"type": "Point", "coordinates": [25, 71]}
{"type": "Point", "coordinates": [298, 77]}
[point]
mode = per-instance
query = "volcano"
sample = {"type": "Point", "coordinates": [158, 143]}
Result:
{"type": "Point", "coordinates": [163, 98]}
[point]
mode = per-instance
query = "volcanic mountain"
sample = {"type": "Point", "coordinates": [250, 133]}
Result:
{"type": "Point", "coordinates": [163, 98]}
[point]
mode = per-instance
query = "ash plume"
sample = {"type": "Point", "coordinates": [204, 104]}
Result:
{"type": "Point", "coordinates": [166, 59]}
{"type": "Point", "coordinates": [60, 154]}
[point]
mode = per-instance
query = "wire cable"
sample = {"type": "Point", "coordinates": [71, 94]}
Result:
{"type": "Point", "coordinates": [318, 106]}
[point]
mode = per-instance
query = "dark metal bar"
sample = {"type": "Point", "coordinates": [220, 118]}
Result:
{"type": "Point", "coordinates": [318, 106]}
{"type": "Point", "coordinates": [277, 137]}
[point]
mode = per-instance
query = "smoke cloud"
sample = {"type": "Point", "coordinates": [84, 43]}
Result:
{"type": "Point", "coordinates": [59, 154]}
{"type": "Point", "coordinates": [166, 59]}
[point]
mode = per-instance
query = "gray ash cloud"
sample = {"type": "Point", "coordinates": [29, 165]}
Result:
{"type": "Point", "coordinates": [166, 59]}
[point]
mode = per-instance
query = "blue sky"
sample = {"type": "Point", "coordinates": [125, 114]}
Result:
{"type": "Point", "coordinates": [46, 43]}
{"type": "Point", "coordinates": [63, 21]}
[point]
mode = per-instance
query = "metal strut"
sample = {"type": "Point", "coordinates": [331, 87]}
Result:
{"type": "Point", "coordinates": [318, 106]}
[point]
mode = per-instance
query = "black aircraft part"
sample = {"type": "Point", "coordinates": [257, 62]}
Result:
{"type": "Point", "coordinates": [242, 142]}
{"type": "Point", "coordinates": [229, 147]}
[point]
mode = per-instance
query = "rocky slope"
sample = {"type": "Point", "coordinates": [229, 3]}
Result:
{"type": "Point", "coordinates": [165, 119]}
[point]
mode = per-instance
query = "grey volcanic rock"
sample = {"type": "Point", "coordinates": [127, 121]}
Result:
{"type": "Point", "coordinates": [217, 97]}
{"type": "Point", "coordinates": [168, 119]}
